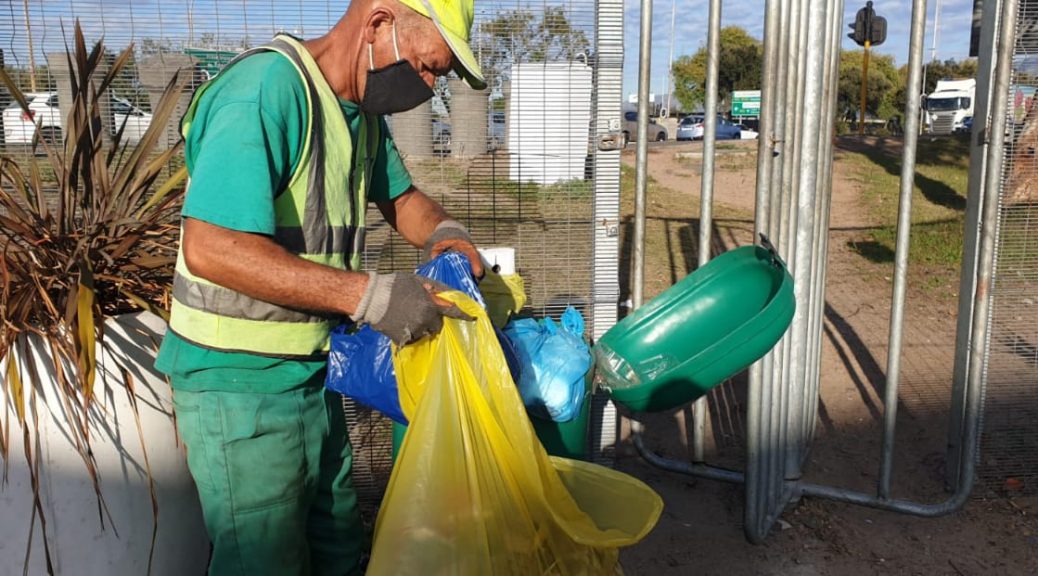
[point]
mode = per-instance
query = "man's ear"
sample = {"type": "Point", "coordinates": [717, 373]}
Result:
{"type": "Point", "coordinates": [378, 18]}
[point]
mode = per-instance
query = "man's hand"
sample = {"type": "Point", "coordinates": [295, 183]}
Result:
{"type": "Point", "coordinates": [404, 307]}
{"type": "Point", "coordinates": [452, 235]}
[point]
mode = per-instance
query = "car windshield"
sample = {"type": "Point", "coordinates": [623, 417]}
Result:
{"type": "Point", "coordinates": [947, 104]}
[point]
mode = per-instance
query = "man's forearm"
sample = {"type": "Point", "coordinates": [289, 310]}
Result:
{"type": "Point", "coordinates": [413, 215]}
{"type": "Point", "coordinates": [258, 267]}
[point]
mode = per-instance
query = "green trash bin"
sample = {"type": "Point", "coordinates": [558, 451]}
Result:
{"type": "Point", "coordinates": [565, 439]}
{"type": "Point", "coordinates": [701, 331]}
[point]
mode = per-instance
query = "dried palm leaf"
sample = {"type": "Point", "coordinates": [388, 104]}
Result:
{"type": "Point", "coordinates": [97, 238]}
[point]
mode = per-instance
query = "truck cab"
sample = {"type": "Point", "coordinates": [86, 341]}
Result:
{"type": "Point", "coordinates": [949, 105]}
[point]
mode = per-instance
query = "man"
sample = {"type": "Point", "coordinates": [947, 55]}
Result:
{"type": "Point", "coordinates": [285, 147]}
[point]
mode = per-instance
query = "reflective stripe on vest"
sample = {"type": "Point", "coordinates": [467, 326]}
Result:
{"type": "Point", "coordinates": [319, 217]}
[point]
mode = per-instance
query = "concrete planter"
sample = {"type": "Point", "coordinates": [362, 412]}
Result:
{"type": "Point", "coordinates": [80, 540]}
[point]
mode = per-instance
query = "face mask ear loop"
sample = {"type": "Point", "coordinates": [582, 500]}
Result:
{"type": "Point", "coordinates": [395, 49]}
{"type": "Point", "coordinates": [371, 58]}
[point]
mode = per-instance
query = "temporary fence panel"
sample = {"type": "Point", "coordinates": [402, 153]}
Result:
{"type": "Point", "coordinates": [798, 97]}
{"type": "Point", "coordinates": [1009, 442]}
{"type": "Point", "coordinates": [459, 147]}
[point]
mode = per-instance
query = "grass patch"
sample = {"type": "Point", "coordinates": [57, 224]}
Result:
{"type": "Point", "coordinates": [938, 201]}
{"type": "Point", "coordinates": [672, 233]}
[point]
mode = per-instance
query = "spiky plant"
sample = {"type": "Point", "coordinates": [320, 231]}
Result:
{"type": "Point", "coordinates": [87, 231]}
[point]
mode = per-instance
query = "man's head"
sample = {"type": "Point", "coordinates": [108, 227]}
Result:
{"type": "Point", "coordinates": [453, 21]}
{"type": "Point", "coordinates": [404, 45]}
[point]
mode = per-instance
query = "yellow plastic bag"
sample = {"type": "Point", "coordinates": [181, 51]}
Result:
{"type": "Point", "coordinates": [505, 295]}
{"type": "Point", "coordinates": [473, 491]}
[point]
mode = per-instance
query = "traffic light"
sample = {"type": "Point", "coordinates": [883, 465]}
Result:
{"type": "Point", "coordinates": [858, 34]}
{"type": "Point", "coordinates": [878, 34]}
{"type": "Point", "coordinates": [868, 27]}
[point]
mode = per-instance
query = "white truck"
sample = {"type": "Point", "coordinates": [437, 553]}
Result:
{"type": "Point", "coordinates": [950, 104]}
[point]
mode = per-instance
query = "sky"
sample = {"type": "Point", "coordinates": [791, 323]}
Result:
{"type": "Point", "coordinates": [121, 20]}
{"type": "Point", "coordinates": [953, 30]}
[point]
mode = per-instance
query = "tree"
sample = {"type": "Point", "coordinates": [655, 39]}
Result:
{"type": "Point", "coordinates": [521, 36]}
{"type": "Point", "coordinates": [882, 88]}
{"type": "Point", "coordinates": [740, 62]}
{"type": "Point", "coordinates": [948, 70]}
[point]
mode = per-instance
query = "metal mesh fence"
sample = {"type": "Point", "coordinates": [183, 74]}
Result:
{"type": "Point", "coordinates": [515, 163]}
{"type": "Point", "coordinates": [1009, 450]}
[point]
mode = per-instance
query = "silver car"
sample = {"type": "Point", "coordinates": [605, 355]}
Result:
{"type": "Point", "coordinates": [657, 133]}
{"type": "Point", "coordinates": [687, 127]}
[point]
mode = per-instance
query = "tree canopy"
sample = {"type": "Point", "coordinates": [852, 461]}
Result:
{"type": "Point", "coordinates": [884, 83]}
{"type": "Point", "coordinates": [739, 68]}
{"type": "Point", "coordinates": [520, 36]}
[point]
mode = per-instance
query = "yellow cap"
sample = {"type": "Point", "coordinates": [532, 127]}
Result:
{"type": "Point", "coordinates": [453, 18]}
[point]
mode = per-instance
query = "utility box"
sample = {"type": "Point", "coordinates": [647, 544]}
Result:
{"type": "Point", "coordinates": [549, 121]}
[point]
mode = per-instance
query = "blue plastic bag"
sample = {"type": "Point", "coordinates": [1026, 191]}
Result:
{"type": "Point", "coordinates": [553, 363]}
{"type": "Point", "coordinates": [360, 361]}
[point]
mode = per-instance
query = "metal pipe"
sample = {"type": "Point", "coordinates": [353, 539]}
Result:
{"type": "Point", "coordinates": [670, 60]}
{"type": "Point", "coordinates": [32, 51]}
{"type": "Point", "coordinates": [904, 228]}
{"type": "Point", "coordinates": [804, 149]}
{"type": "Point", "coordinates": [692, 469]}
{"type": "Point", "coordinates": [760, 372]}
{"type": "Point", "coordinates": [809, 405]}
{"type": "Point", "coordinates": [805, 195]}
{"type": "Point", "coordinates": [778, 224]}
{"type": "Point", "coordinates": [706, 204]}
{"type": "Point", "coordinates": [826, 137]}
{"type": "Point", "coordinates": [971, 243]}
{"type": "Point", "coordinates": [642, 161]}
{"type": "Point", "coordinates": [779, 128]}
{"type": "Point", "coordinates": [766, 138]}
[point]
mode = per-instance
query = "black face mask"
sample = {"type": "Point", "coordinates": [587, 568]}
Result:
{"type": "Point", "coordinates": [394, 88]}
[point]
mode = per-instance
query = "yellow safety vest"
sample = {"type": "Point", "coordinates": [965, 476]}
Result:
{"type": "Point", "coordinates": [317, 218]}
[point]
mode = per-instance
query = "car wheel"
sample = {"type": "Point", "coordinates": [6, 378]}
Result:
{"type": "Point", "coordinates": [627, 138]}
{"type": "Point", "coordinates": [738, 136]}
{"type": "Point", "coordinates": [50, 135]}
{"type": "Point", "coordinates": [661, 137]}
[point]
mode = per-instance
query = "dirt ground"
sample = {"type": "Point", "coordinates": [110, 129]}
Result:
{"type": "Point", "coordinates": [701, 530]}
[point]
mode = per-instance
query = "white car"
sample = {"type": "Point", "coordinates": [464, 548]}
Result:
{"type": "Point", "coordinates": [746, 133]}
{"type": "Point", "coordinates": [44, 112]}
{"type": "Point", "coordinates": [136, 120]}
{"type": "Point", "coordinates": [20, 126]}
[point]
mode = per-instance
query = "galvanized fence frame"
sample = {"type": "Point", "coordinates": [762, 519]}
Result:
{"type": "Point", "coordinates": [794, 176]}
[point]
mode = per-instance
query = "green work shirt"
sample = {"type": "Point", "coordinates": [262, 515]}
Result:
{"type": "Point", "coordinates": [242, 150]}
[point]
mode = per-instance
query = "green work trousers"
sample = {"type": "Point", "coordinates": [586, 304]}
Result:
{"type": "Point", "coordinates": [273, 476]}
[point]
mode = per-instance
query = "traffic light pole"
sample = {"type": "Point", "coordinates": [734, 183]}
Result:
{"type": "Point", "coordinates": [864, 88]}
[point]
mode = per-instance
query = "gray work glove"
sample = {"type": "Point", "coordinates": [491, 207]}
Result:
{"type": "Point", "coordinates": [452, 235]}
{"type": "Point", "coordinates": [399, 306]}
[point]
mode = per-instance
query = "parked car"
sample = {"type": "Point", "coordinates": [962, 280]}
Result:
{"type": "Point", "coordinates": [441, 136]}
{"type": "Point", "coordinates": [20, 126]}
{"type": "Point", "coordinates": [686, 126]}
{"type": "Point", "coordinates": [657, 133]}
{"type": "Point", "coordinates": [136, 120]}
{"type": "Point", "coordinates": [44, 112]}
{"type": "Point", "coordinates": [746, 133]}
{"type": "Point", "coordinates": [726, 129]}
{"type": "Point", "coordinates": [496, 134]}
